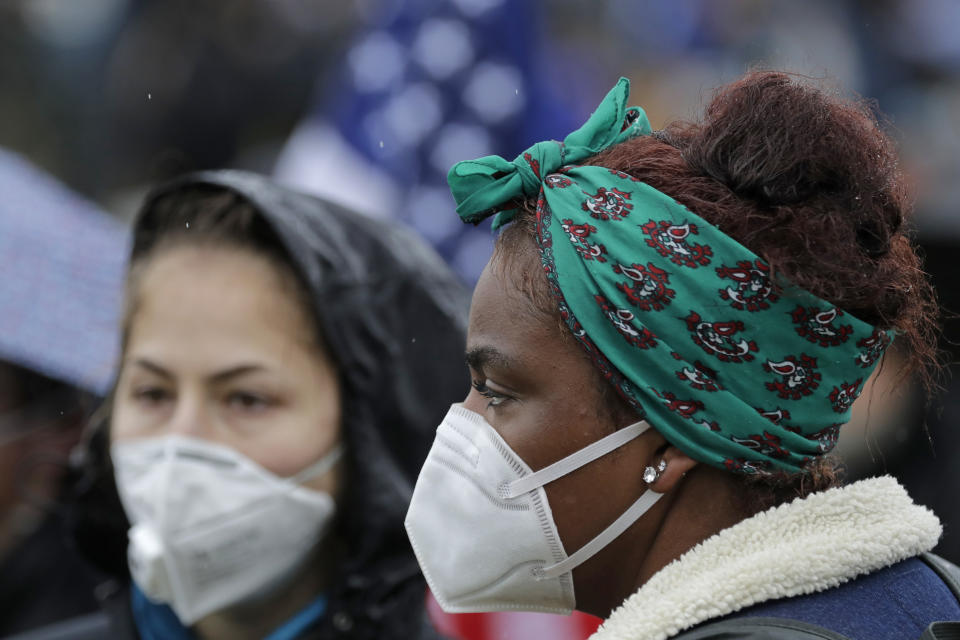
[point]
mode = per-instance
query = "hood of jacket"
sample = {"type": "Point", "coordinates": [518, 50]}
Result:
{"type": "Point", "coordinates": [394, 319]}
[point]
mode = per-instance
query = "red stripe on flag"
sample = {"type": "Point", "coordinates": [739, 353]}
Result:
{"type": "Point", "coordinates": [510, 625]}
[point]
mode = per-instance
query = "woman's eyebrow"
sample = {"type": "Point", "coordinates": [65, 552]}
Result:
{"type": "Point", "coordinates": [152, 367]}
{"type": "Point", "coordinates": [235, 372]}
{"type": "Point", "coordinates": [479, 357]}
{"type": "Point", "coordinates": [218, 377]}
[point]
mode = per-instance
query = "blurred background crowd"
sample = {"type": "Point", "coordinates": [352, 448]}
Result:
{"type": "Point", "coordinates": [369, 103]}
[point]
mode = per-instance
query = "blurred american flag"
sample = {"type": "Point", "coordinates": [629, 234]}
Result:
{"type": "Point", "coordinates": [427, 83]}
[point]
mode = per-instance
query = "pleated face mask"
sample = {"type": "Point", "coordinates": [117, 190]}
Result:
{"type": "Point", "coordinates": [211, 528]}
{"type": "Point", "coordinates": [481, 526]}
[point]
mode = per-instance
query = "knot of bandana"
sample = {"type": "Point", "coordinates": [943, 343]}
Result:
{"type": "Point", "coordinates": [735, 369]}
{"type": "Point", "coordinates": [488, 185]}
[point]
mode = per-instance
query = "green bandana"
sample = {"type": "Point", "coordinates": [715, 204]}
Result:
{"type": "Point", "coordinates": [488, 185]}
{"type": "Point", "coordinates": [682, 319]}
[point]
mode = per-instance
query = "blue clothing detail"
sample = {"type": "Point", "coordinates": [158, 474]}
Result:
{"type": "Point", "coordinates": [894, 603]}
{"type": "Point", "coordinates": [301, 622]}
{"type": "Point", "coordinates": [158, 621]}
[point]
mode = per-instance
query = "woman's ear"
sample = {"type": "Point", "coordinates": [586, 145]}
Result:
{"type": "Point", "coordinates": [677, 465]}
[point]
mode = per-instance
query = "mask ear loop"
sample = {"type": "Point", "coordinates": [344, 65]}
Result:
{"type": "Point", "coordinates": [321, 466]}
{"type": "Point", "coordinates": [602, 539]}
{"type": "Point", "coordinates": [574, 461]}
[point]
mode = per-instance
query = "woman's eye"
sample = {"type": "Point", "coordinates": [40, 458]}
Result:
{"type": "Point", "coordinates": [495, 398]}
{"type": "Point", "coordinates": [247, 401]}
{"type": "Point", "coordinates": [151, 395]}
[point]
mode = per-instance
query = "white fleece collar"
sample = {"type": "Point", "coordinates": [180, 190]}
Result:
{"type": "Point", "coordinates": [808, 545]}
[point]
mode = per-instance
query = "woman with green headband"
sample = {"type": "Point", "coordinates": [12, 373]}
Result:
{"type": "Point", "coordinates": [669, 335]}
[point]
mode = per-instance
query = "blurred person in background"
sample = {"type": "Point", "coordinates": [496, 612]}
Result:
{"type": "Point", "coordinates": [680, 321]}
{"type": "Point", "coordinates": [61, 266]}
{"type": "Point", "coordinates": [282, 361]}
{"type": "Point", "coordinates": [42, 580]}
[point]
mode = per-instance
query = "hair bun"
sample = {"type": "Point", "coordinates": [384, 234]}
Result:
{"type": "Point", "coordinates": [780, 142]}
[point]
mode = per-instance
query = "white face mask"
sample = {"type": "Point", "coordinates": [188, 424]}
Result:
{"type": "Point", "coordinates": [482, 529]}
{"type": "Point", "coordinates": [210, 527]}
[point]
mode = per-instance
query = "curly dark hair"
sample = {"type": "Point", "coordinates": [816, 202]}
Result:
{"type": "Point", "coordinates": [807, 180]}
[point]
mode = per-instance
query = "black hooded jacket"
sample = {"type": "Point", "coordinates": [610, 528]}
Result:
{"type": "Point", "coordinates": [394, 318]}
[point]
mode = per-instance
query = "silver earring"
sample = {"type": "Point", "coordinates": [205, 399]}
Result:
{"type": "Point", "coordinates": [651, 474]}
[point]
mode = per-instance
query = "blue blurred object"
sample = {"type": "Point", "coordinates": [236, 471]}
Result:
{"type": "Point", "coordinates": [61, 279]}
{"type": "Point", "coordinates": [425, 84]}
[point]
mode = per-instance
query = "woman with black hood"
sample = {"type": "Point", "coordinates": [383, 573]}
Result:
{"type": "Point", "coordinates": [283, 362]}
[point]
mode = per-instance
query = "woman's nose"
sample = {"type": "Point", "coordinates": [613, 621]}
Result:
{"type": "Point", "coordinates": [190, 416]}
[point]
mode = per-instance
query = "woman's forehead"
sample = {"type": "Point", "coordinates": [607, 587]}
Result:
{"type": "Point", "coordinates": [194, 300]}
{"type": "Point", "coordinates": [506, 331]}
